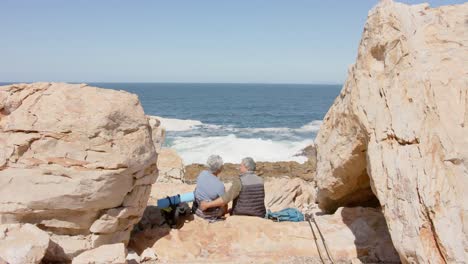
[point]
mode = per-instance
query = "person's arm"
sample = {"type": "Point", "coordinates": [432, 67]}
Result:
{"type": "Point", "coordinates": [227, 197]}
{"type": "Point", "coordinates": [225, 209]}
{"type": "Point", "coordinates": [216, 203]}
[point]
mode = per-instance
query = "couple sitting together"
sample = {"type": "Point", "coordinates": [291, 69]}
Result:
{"type": "Point", "coordinates": [247, 191]}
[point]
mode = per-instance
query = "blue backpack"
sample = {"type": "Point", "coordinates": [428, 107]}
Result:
{"type": "Point", "coordinates": [288, 214]}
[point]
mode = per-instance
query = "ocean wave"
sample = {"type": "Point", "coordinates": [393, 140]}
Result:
{"type": "Point", "coordinates": [232, 148]}
{"type": "Point", "coordinates": [313, 126]}
{"type": "Point", "coordinates": [172, 124]}
{"type": "Point", "coordinates": [179, 125]}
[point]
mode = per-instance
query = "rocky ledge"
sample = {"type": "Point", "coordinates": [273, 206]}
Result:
{"type": "Point", "coordinates": [351, 234]}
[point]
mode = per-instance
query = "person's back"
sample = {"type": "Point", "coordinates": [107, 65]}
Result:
{"type": "Point", "coordinates": [251, 199]}
{"type": "Point", "coordinates": [210, 187]}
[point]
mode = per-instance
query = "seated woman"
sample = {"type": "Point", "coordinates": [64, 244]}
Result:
{"type": "Point", "coordinates": [210, 187]}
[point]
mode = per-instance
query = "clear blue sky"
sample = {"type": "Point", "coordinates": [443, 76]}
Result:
{"type": "Point", "coordinates": [270, 41]}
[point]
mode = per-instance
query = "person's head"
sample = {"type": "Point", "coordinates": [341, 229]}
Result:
{"type": "Point", "coordinates": [247, 164]}
{"type": "Point", "coordinates": [215, 164]}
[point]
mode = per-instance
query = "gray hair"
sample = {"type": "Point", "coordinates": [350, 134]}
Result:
{"type": "Point", "coordinates": [214, 163]}
{"type": "Point", "coordinates": [249, 163]}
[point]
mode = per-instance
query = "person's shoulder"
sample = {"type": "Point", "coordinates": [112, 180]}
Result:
{"type": "Point", "coordinates": [258, 177]}
{"type": "Point", "coordinates": [202, 175]}
{"type": "Point", "coordinates": [205, 173]}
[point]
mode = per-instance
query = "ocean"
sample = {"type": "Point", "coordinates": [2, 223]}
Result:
{"type": "Point", "coordinates": [269, 122]}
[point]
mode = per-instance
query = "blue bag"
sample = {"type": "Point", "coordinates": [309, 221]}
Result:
{"type": "Point", "coordinates": [288, 214]}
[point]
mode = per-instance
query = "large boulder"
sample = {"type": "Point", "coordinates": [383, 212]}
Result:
{"type": "Point", "coordinates": [398, 131]}
{"type": "Point", "coordinates": [22, 243]}
{"type": "Point", "coordinates": [78, 161]}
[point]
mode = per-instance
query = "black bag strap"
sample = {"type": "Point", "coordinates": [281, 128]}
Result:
{"type": "Point", "coordinates": [170, 202]}
{"type": "Point", "coordinates": [172, 205]}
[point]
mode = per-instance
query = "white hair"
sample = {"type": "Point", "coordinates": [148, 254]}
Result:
{"type": "Point", "coordinates": [214, 163]}
{"type": "Point", "coordinates": [249, 163]}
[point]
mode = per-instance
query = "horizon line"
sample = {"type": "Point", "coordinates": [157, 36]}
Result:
{"type": "Point", "coordinates": [113, 82]}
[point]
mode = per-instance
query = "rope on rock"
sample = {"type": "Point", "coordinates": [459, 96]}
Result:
{"type": "Point", "coordinates": [309, 217]}
{"type": "Point", "coordinates": [315, 237]}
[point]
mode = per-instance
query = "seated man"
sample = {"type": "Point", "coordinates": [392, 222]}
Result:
{"type": "Point", "coordinates": [209, 187]}
{"type": "Point", "coordinates": [247, 191]}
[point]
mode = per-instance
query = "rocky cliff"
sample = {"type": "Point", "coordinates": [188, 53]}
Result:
{"type": "Point", "coordinates": [398, 130]}
{"type": "Point", "coordinates": [76, 161]}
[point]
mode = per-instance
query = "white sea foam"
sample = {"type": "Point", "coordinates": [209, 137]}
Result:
{"type": "Point", "coordinates": [309, 127]}
{"type": "Point", "coordinates": [233, 149]}
{"type": "Point", "coordinates": [313, 126]}
{"type": "Point", "coordinates": [172, 124]}
{"type": "Point", "coordinates": [233, 144]}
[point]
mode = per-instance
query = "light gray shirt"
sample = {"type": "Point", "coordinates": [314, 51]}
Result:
{"type": "Point", "coordinates": [209, 187]}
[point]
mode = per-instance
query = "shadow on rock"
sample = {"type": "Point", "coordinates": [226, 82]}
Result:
{"type": "Point", "coordinates": [372, 239]}
{"type": "Point", "coordinates": [152, 227]}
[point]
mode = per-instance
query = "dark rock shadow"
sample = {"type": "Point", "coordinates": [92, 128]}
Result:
{"type": "Point", "coordinates": [372, 238]}
{"type": "Point", "coordinates": [55, 254]}
{"type": "Point", "coordinates": [152, 227]}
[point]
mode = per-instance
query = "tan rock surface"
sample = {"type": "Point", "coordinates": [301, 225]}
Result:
{"type": "Point", "coordinates": [399, 130]}
{"type": "Point", "coordinates": [22, 243]}
{"type": "Point", "coordinates": [158, 133]}
{"type": "Point", "coordinates": [281, 193]}
{"type": "Point", "coordinates": [133, 257]}
{"type": "Point", "coordinates": [349, 233]}
{"type": "Point", "coordinates": [105, 254]}
{"type": "Point", "coordinates": [170, 166]}
{"type": "Point", "coordinates": [78, 161]}
{"type": "Point", "coordinates": [148, 255]}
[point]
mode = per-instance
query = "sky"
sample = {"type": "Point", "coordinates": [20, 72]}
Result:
{"type": "Point", "coordinates": [242, 41]}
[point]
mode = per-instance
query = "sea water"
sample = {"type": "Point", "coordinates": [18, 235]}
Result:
{"type": "Point", "coordinates": [268, 122]}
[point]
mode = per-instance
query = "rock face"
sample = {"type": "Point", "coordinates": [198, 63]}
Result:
{"type": "Point", "coordinates": [78, 161]}
{"type": "Point", "coordinates": [22, 243]}
{"type": "Point", "coordinates": [158, 132]}
{"type": "Point", "coordinates": [398, 131]}
{"type": "Point", "coordinates": [350, 234]}
{"type": "Point", "coordinates": [170, 166]}
{"type": "Point", "coordinates": [281, 193]}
